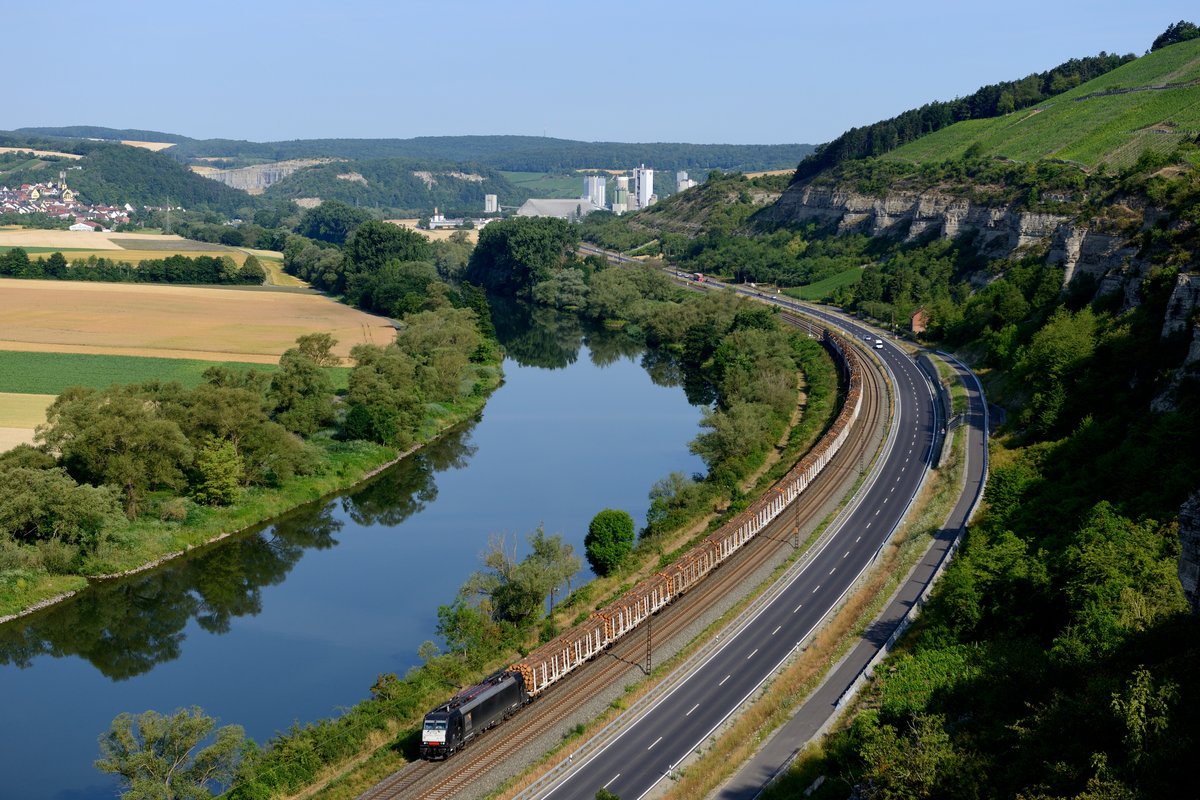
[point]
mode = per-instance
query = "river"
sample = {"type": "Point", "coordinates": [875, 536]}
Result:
{"type": "Point", "coordinates": [292, 622]}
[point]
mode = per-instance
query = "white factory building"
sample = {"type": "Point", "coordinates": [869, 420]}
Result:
{"type": "Point", "coordinates": [594, 189]}
{"type": "Point", "coordinates": [560, 209]}
{"type": "Point", "coordinates": [643, 181]}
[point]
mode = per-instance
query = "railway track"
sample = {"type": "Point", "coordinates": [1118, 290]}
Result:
{"type": "Point", "coordinates": [469, 768]}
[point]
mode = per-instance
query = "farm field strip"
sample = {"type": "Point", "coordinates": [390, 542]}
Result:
{"type": "Point", "coordinates": [46, 374]}
{"type": "Point", "coordinates": [179, 321]}
{"type": "Point", "coordinates": [23, 237]}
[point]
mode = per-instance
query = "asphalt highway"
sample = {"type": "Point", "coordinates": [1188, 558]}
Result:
{"type": "Point", "coordinates": [650, 749]}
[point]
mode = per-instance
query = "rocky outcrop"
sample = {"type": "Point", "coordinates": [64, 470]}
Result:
{"type": "Point", "coordinates": [1083, 251]}
{"type": "Point", "coordinates": [1189, 558]}
{"type": "Point", "coordinates": [256, 179]}
{"type": "Point", "coordinates": [1185, 297]}
{"type": "Point", "coordinates": [998, 231]}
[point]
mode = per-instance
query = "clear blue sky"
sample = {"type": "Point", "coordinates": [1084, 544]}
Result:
{"type": "Point", "coordinates": [740, 71]}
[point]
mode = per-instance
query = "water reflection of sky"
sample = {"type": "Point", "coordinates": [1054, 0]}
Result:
{"type": "Point", "coordinates": [296, 621]}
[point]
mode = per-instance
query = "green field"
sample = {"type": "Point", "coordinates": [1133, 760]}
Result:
{"type": "Point", "coordinates": [50, 373]}
{"type": "Point", "coordinates": [825, 289]}
{"type": "Point", "coordinates": [1084, 126]}
{"type": "Point", "coordinates": [66, 251]}
{"type": "Point", "coordinates": [542, 184]}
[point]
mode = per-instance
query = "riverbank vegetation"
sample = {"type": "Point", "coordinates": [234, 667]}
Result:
{"type": "Point", "coordinates": [128, 474]}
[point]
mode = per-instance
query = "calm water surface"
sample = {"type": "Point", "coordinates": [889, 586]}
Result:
{"type": "Point", "coordinates": [295, 621]}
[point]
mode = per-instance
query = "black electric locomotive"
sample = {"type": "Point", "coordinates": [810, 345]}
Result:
{"type": "Point", "coordinates": [472, 711]}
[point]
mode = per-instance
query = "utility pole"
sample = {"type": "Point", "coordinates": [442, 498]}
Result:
{"type": "Point", "coordinates": [649, 642]}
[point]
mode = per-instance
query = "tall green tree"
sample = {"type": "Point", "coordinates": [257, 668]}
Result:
{"type": "Point", "coordinates": [301, 394]}
{"type": "Point", "coordinates": [609, 540]}
{"type": "Point", "coordinates": [375, 243]}
{"type": "Point", "coordinates": [319, 347]}
{"type": "Point", "coordinates": [331, 221]}
{"type": "Point", "coordinates": [159, 757]}
{"type": "Point", "coordinates": [219, 470]}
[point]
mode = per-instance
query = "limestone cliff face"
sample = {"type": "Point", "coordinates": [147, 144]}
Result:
{"type": "Point", "coordinates": [1185, 298]}
{"type": "Point", "coordinates": [999, 231]}
{"type": "Point", "coordinates": [1189, 559]}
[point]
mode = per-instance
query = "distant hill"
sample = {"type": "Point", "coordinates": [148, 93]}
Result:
{"type": "Point", "coordinates": [400, 184]}
{"type": "Point", "coordinates": [110, 134]}
{"type": "Point", "coordinates": [511, 153]}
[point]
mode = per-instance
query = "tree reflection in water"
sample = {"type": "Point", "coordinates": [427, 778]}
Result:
{"type": "Point", "coordinates": [125, 627]}
{"type": "Point", "coordinates": [403, 490]}
{"type": "Point", "coordinates": [536, 336]}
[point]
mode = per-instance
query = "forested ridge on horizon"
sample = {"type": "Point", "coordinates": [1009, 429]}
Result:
{"type": "Point", "coordinates": [502, 152]}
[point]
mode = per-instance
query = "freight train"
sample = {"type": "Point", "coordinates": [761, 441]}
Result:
{"type": "Point", "coordinates": [450, 726]}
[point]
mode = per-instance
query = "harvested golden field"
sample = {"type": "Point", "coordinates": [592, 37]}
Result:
{"type": "Point", "coordinates": [155, 146]}
{"type": "Point", "coordinates": [444, 233]}
{"type": "Point", "coordinates": [39, 152]}
{"type": "Point", "coordinates": [214, 324]}
{"type": "Point", "coordinates": [90, 240]}
{"type": "Point", "coordinates": [760, 173]}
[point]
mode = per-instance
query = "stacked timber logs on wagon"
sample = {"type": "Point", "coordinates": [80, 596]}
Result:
{"type": "Point", "coordinates": [557, 658]}
{"type": "Point", "coordinates": [685, 571]}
